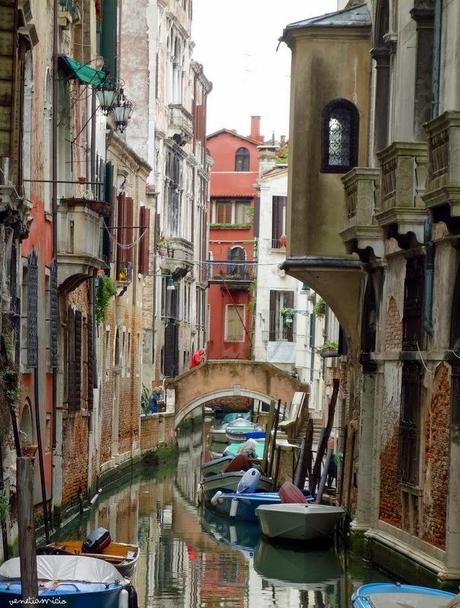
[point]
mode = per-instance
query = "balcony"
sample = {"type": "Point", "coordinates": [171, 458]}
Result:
{"type": "Point", "coordinates": [234, 276]}
{"type": "Point", "coordinates": [404, 172]}
{"type": "Point", "coordinates": [79, 240]}
{"type": "Point", "coordinates": [361, 233]}
{"type": "Point", "coordinates": [177, 258]}
{"type": "Point", "coordinates": [15, 211]}
{"type": "Point", "coordinates": [180, 123]}
{"type": "Point", "coordinates": [442, 194]}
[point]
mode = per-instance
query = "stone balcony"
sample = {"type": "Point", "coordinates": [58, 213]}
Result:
{"type": "Point", "coordinates": [403, 179]}
{"type": "Point", "coordinates": [178, 257]}
{"type": "Point", "coordinates": [361, 233]}
{"type": "Point", "coordinates": [79, 231]}
{"type": "Point", "coordinates": [442, 195]}
{"type": "Point", "coordinates": [180, 123]}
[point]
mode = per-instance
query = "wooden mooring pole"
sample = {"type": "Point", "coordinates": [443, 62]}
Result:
{"type": "Point", "coordinates": [26, 528]}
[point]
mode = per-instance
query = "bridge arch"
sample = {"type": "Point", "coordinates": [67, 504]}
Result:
{"type": "Point", "coordinates": [227, 378]}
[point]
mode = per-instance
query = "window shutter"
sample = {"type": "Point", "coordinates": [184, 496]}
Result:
{"type": "Point", "coordinates": [273, 307]}
{"type": "Point", "coordinates": [109, 36]}
{"type": "Point", "coordinates": [144, 235]}
{"type": "Point", "coordinates": [78, 361]}
{"type": "Point", "coordinates": [32, 308]}
{"type": "Point", "coordinates": [119, 233]}
{"type": "Point", "coordinates": [129, 230]}
{"type": "Point", "coordinates": [71, 363]}
{"type": "Point", "coordinates": [91, 361]}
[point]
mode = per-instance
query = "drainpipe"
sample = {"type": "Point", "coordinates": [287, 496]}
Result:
{"type": "Point", "coordinates": [154, 279]}
{"type": "Point", "coordinates": [54, 170]}
{"type": "Point", "coordinates": [437, 46]}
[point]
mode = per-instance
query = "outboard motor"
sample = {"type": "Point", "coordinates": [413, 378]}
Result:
{"type": "Point", "coordinates": [96, 541]}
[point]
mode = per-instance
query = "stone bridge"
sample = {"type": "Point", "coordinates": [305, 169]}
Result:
{"type": "Point", "coordinates": [230, 378]}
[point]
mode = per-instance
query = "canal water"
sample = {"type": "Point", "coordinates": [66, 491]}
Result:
{"type": "Point", "coordinates": [192, 558]}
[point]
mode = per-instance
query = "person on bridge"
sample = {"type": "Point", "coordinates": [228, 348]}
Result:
{"type": "Point", "coordinates": [197, 358]}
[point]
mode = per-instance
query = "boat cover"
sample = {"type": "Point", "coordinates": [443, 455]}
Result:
{"type": "Point", "coordinates": [406, 600]}
{"type": "Point", "coordinates": [66, 568]}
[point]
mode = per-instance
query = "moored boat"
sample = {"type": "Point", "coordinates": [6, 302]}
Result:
{"type": "Point", "coordinates": [393, 595]}
{"type": "Point", "coordinates": [122, 556]}
{"type": "Point", "coordinates": [243, 506]}
{"type": "Point", "coordinates": [228, 482]}
{"type": "Point", "coordinates": [69, 580]}
{"type": "Point", "coordinates": [216, 465]}
{"type": "Point", "coordinates": [299, 521]}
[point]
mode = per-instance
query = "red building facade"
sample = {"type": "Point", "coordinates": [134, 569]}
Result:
{"type": "Point", "coordinates": [233, 228]}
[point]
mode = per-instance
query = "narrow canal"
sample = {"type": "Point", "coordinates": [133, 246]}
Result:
{"type": "Point", "coordinates": [194, 559]}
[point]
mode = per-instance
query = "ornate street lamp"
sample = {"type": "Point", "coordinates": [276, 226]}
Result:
{"type": "Point", "coordinates": [106, 95]}
{"type": "Point", "coordinates": [122, 111]}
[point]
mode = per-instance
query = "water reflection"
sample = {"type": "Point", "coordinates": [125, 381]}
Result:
{"type": "Point", "coordinates": [194, 559]}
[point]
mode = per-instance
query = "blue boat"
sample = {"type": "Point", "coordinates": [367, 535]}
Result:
{"type": "Point", "coordinates": [394, 595]}
{"type": "Point", "coordinates": [243, 503]}
{"type": "Point", "coordinates": [242, 506]}
{"type": "Point", "coordinates": [69, 580]}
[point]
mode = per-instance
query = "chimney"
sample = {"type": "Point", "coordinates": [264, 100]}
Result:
{"type": "Point", "coordinates": [267, 157]}
{"type": "Point", "coordinates": [255, 129]}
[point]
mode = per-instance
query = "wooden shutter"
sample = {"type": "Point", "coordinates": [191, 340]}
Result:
{"type": "Point", "coordinates": [129, 230]}
{"type": "Point", "coordinates": [144, 244]}
{"type": "Point", "coordinates": [74, 322]}
{"type": "Point", "coordinates": [277, 218]}
{"type": "Point", "coordinates": [273, 307]}
{"type": "Point", "coordinates": [91, 362]}
{"type": "Point", "coordinates": [119, 232]}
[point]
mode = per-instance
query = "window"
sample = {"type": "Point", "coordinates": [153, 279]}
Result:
{"type": "Point", "coordinates": [74, 358]}
{"type": "Point", "coordinates": [409, 425]}
{"type": "Point", "coordinates": [231, 212]}
{"type": "Point", "coordinates": [414, 286]}
{"type": "Point", "coordinates": [242, 159]}
{"type": "Point", "coordinates": [234, 322]}
{"type": "Point", "coordinates": [237, 258]}
{"type": "Point", "coordinates": [279, 221]}
{"type": "Point", "coordinates": [340, 137]}
{"type": "Point", "coordinates": [281, 330]}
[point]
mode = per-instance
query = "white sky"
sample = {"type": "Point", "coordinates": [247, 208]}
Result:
{"type": "Point", "coordinates": [236, 42]}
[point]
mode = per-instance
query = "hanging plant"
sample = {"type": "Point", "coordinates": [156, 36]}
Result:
{"type": "Point", "coordinates": [106, 289]}
{"type": "Point", "coordinates": [320, 308]}
{"type": "Point", "coordinates": [4, 507]}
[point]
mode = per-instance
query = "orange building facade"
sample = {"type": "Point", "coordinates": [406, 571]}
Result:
{"type": "Point", "coordinates": [233, 221]}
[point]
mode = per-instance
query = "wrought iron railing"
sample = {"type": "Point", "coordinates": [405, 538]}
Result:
{"type": "Point", "coordinates": [228, 271]}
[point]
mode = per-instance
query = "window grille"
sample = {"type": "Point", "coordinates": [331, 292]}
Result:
{"type": "Point", "coordinates": [340, 137]}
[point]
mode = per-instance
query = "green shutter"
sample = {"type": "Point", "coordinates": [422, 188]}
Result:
{"type": "Point", "coordinates": [109, 36]}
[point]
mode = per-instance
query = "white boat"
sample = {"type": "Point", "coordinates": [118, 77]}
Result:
{"type": "Point", "coordinates": [69, 580]}
{"type": "Point", "coordinates": [299, 521]}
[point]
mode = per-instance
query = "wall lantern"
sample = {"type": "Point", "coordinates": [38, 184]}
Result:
{"type": "Point", "coordinates": [122, 111]}
{"type": "Point", "coordinates": [170, 284]}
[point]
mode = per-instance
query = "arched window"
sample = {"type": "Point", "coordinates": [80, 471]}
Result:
{"type": "Point", "coordinates": [242, 159]}
{"type": "Point", "coordinates": [237, 258]}
{"type": "Point", "coordinates": [340, 136]}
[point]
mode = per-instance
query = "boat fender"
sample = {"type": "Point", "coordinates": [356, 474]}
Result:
{"type": "Point", "coordinates": [234, 507]}
{"type": "Point", "coordinates": [132, 596]}
{"type": "Point", "coordinates": [123, 599]}
{"type": "Point", "coordinates": [215, 498]}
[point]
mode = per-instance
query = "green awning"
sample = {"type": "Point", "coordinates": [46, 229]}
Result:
{"type": "Point", "coordinates": [84, 73]}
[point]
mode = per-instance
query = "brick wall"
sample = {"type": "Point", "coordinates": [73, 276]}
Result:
{"type": "Point", "coordinates": [390, 490]}
{"type": "Point", "coordinates": [75, 440]}
{"type": "Point", "coordinates": [436, 460]}
{"type": "Point", "coordinates": [393, 327]}
{"type": "Point", "coordinates": [156, 429]}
